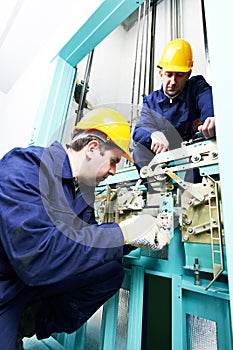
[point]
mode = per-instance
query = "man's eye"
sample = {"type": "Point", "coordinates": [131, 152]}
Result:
{"type": "Point", "coordinates": [114, 161]}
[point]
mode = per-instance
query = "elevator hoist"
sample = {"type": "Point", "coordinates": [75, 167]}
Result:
{"type": "Point", "coordinates": [194, 263]}
{"type": "Point", "coordinates": [178, 298]}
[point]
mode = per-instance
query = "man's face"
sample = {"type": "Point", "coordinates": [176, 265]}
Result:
{"type": "Point", "coordinates": [173, 82]}
{"type": "Point", "coordinates": [106, 163]}
{"type": "Point", "coordinates": [100, 165]}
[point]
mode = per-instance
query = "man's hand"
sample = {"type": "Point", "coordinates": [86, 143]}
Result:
{"type": "Point", "coordinates": [162, 238]}
{"type": "Point", "coordinates": [159, 142]}
{"type": "Point", "coordinates": [208, 127]}
{"type": "Point", "coordinates": [143, 231]}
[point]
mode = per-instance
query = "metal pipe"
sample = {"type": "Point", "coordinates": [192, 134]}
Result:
{"type": "Point", "coordinates": [174, 19]}
{"type": "Point", "coordinates": [180, 19]}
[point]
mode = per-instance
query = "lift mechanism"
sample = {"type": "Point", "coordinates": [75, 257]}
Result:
{"type": "Point", "coordinates": [194, 207]}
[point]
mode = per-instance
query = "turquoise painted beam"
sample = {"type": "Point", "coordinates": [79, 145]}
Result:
{"type": "Point", "coordinates": [177, 314]}
{"type": "Point", "coordinates": [109, 15]}
{"type": "Point", "coordinates": [109, 323]}
{"type": "Point", "coordinates": [136, 308]}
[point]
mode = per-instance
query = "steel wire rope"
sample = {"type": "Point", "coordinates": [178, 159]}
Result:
{"type": "Point", "coordinates": [85, 83]}
{"type": "Point", "coordinates": [147, 46]}
{"type": "Point", "coordinates": [205, 38]}
{"type": "Point", "coordinates": [135, 67]}
{"type": "Point", "coordinates": [141, 59]}
{"type": "Point", "coordinates": [152, 47]}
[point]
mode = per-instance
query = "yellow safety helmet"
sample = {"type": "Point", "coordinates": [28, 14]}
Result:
{"type": "Point", "coordinates": [112, 124]}
{"type": "Point", "coordinates": [177, 56]}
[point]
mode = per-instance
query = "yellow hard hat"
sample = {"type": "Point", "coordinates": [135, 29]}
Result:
{"type": "Point", "coordinates": [177, 56]}
{"type": "Point", "coordinates": [112, 124]}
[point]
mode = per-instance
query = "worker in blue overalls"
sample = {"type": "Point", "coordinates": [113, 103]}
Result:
{"type": "Point", "coordinates": [178, 110]}
{"type": "Point", "coordinates": [57, 264]}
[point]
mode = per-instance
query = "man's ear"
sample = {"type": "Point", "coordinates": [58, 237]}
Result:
{"type": "Point", "coordinates": [160, 72]}
{"type": "Point", "coordinates": [189, 73]}
{"type": "Point", "coordinates": [91, 147]}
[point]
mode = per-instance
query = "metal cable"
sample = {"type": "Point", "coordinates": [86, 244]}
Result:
{"type": "Point", "coordinates": [141, 56]}
{"type": "Point", "coordinates": [205, 37]}
{"type": "Point", "coordinates": [83, 91]}
{"type": "Point", "coordinates": [135, 66]}
{"type": "Point", "coordinates": [152, 47]}
{"type": "Point", "coordinates": [147, 45]}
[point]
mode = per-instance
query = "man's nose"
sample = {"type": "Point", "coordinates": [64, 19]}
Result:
{"type": "Point", "coordinates": [112, 170]}
{"type": "Point", "coordinates": [173, 79]}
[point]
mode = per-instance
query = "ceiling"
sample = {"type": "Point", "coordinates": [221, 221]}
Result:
{"type": "Point", "coordinates": [25, 27]}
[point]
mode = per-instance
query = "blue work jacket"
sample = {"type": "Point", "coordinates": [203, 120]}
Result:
{"type": "Point", "coordinates": [177, 118]}
{"type": "Point", "coordinates": [47, 231]}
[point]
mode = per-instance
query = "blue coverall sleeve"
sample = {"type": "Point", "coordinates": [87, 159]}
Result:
{"type": "Point", "coordinates": [204, 98]}
{"type": "Point", "coordinates": [147, 124]}
{"type": "Point", "coordinates": [43, 242]}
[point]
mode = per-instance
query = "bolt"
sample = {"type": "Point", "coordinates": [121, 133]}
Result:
{"type": "Point", "coordinates": [188, 222]}
{"type": "Point", "coordinates": [214, 155]}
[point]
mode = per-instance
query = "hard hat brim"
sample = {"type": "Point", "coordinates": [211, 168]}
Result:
{"type": "Point", "coordinates": [128, 157]}
{"type": "Point", "coordinates": [175, 69]}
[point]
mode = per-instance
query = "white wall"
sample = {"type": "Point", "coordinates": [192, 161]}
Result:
{"type": "Point", "coordinates": [19, 106]}
{"type": "Point", "coordinates": [2, 101]}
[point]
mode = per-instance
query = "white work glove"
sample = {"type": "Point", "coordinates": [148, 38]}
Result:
{"type": "Point", "coordinates": [143, 231]}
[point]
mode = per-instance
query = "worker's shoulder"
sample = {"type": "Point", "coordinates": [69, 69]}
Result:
{"type": "Point", "coordinates": [50, 154]}
{"type": "Point", "coordinates": [21, 152]}
{"type": "Point", "coordinates": [154, 96]}
{"type": "Point", "coordinates": [198, 80]}
{"type": "Point", "coordinates": [36, 152]}
{"type": "Point", "coordinates": [20, 162]}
